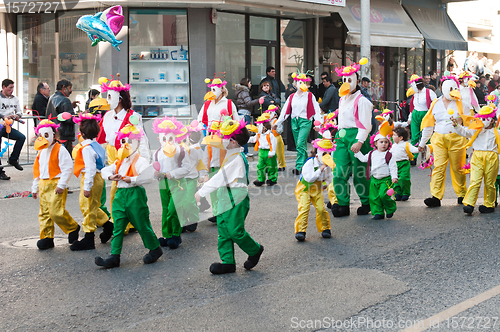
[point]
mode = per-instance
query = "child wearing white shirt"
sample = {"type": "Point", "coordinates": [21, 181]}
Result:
{"type": "Point", "coordinates": [402, 151]}
{"type": "Point", "coordinates": [382, 170]}
{"type": "Point", "coordinates": [266, 143]}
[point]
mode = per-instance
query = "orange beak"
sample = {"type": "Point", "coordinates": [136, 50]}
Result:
{"type": "Point", "coordinates": [410, 92]}
{"type": "Point", "coordinates": [455, 94]}
{"type": "Point", "coordinates": [169, 150]}
{"type": "Point", "coordinates": [41, 143]}
{"type": "Point", "coordinates": [209, 96]}
{"type": "Point", "coordinates": [344, 89]}
{"type": "Point", "coordinates": [124, 151]}
{"type": "Point", "coordinates": [328, 161]}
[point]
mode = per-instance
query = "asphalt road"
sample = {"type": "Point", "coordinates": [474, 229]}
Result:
{"type": "Point", "coordinates": [405, 269]}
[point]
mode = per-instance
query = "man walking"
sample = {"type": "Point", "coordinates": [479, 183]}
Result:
{"type": "Point", "coordinates": [41, 100]}
{"type": "Point", "coordinates": [10, 110]}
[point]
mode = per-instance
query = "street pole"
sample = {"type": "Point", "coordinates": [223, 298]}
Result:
{"type": "Point", "coordinates": [365, 38]}
{"type": "Point", "coordinates": [316, 49]}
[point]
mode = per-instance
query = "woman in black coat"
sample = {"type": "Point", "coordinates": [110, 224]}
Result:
{"type": "Point", "coordinates": [270, 98]}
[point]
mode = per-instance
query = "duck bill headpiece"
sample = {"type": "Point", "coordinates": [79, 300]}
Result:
{"type": "Point", "coordinates": [45, 132]}
{"type": "Point", "coordinates": [300, 80]}
{"type": "Point", "coordinates": [216, 86]}
{"type": "Point", "coordinates": [349, 77]}
{"type": "Point", "coordinates": [450, 88]}
{"type": "Point", "coordinates": [413, 85]}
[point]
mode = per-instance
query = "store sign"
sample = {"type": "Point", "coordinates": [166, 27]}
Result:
{"type": "Point", "coordinates": [340, 3]}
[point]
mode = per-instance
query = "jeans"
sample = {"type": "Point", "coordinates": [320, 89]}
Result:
{"type": "Point", "coordinates": [248, 121]}
{"type": "Point", "coordinates": [16, 136]}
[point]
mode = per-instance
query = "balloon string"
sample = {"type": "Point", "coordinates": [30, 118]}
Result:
{"type": "Point", "coordinates": [95, 63]}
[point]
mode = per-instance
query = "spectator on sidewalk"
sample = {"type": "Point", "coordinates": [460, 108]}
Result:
{"type": "Point", "coordinates": [330, 101]}
{"type": "Point", "coordinates": [59, 103]}
{"type": "Point", "coordinates": [10, 110]}
{"type": "Point", "coordinates": [41, 99]}
{"type": "Point", "coordinates": [433, 76]}
{"type": "Point", "coordinates": [479, 90]}
{"type": "Point", "coordinates": [365, 85]}
{"type": "Point", "coordinates": [245, 104]}
{"type": "Point", "coordinates": [494, 81]}
{"type": "Point", "coordinates": [93, 94]}
{"type": "Point", "coordinates": [321, 86]}
{"type": "Point", "coordinates": [276, 85]}
{"type": "Point", "coordinates": [427, 81]}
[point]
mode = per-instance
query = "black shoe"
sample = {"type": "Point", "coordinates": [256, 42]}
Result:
{"type": "Point", "coordinates": [281, 169]}
{"type": "Point", "coordinates": [164, 241]}
{"type": "Point", "coordinates": [329, 205]}
{"type": "Point", "coordinates": [405, 197]}
{"type": "Point", "coordinates": [468, 209]}
{"type": "Point", "coordinates": [73, 236]}
{"type": "Point", "coordinates": [258, 183]}
{"type": "Point", "coordinates": [363, 210]}
{"type": "Point", "coordinates": [46, 243]}
{"type": "Point", "coordinates": [413, 162]}
{"type": "Point", "coordinates": [4, 176]}
{"type": "Point", "coordinates": [378, 217]}
{"type": "Point", "coordinates": [460, 200]}
{"type": "Point", "coordinates": [111, 261]}
{"type": "Point", "coordinates": [253, 260]}
{"type": "Point", "coordinates": [496, 204]}
{"type": "Point", "coordinates": [270, 183]}
{"type": "Point", "coordinates": [219, 268]}
{"type": "Point", "coordinates": [340, 211]}
{"type": "Point", "coordinates": [152, 256]}
{"type": "Point", "coordinates": [107, 231]}
{"type": "Point", "coordinates": [326, 234]}
{"type": "Point", "coordinates": [296, 171]}
{"type": "Point", "coordinates": [300, 236]}
{"type": "Point", "coordinates": [190, 228]}
{"type": "Point", "coordinates": [204, 205]}
{"type": "Point", "coordinates": [398, 197]}
{"type": "Point", "coordinates": [389, 215]}
{"type": "Point", "coordinates": [132, 230]}
{"type": "Point", "coordinates": [484, 209]}
{"type": "Point", "coordinates": [16, 165]}
{"type": "Point", "coordinates": [87, 243]}
{"type": "Point", "coordinates": [432, 202]}
{"type": "Point", "coordinates": [174, 242]}
{"type": "Point", "coordinates": [213, 219]}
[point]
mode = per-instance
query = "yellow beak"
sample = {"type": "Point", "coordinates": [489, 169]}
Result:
{"type": "Point", "coordinates": [124, 151]}
{"type": "Point", "coordinates": [380, 118]}
{"type": "Point", "coordinates": [456, 94]}
{"type": "Point", "coordinates": [209, 96]}
{"type": "Point", "coordinates": [328, 161]}
{"type": "Point", "coordinates": [252, 128]}
{"type": "Point", "coordinates": [344, 89]}
{"type": "Point", "coordinates": [214, 141]}
{"type": "Point", "coordinates": [472, 84]}
{"type": "Point", "coordinates": [41, 143]}
{"type": "Point", "coordinates": [410, 92]}
{"type": "Point", "coordinates": [303, 87]}
{"type": "Point", "coordinates": [169, 150]}
{"type": "Point", "coordinates": [476, 124]}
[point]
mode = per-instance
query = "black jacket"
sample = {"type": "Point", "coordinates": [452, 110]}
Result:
{"type": "Point", "coordinates": [40, 104]}
{"type": "Point", "coordinates": [59, 103]}
{"type": "Point", "coordinates": [268, 98]}
{"type": "Point", "coordinates": [276, 87]}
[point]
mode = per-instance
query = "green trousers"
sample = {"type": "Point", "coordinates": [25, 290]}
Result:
{"type": "Point", "coordinates": [213, 195]}
{"type": "Point", "coordinates": [379, 200]}
{"type": "Point", "coordinates": [347, 165]}
{"type": "Point", "coordinates": [267, 166]}
{"type": "Point", "coordinates": [300, 129]}
{"type": "Point", "coordinates": [403, 187]}
{"type": "Point", "coordinates": [103, 201]}
{"type": "Point", "coordinates": [416, 134]}
{"type": "Point", "coordinates": [191, 211]}
{"type": "Point", "coordinates": [131, 206]}
{"type": "Point", "coordinates": [172, 205]}
{"type": "Point", "coordinates": [231, 228]}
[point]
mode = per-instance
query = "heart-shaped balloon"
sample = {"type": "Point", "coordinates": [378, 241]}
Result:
{"type": "Point", "coordinates": [134, 119]}
{"type": "Point", "coordinates": [390, 192]}
{"type": "Point", "coordinates": [156, 166]}
{"type": "Point", "coordinates": [342, 133]}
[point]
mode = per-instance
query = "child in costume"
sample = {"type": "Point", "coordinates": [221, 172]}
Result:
{"type": "Point", "coordinates": [130, 205]}
{"type": "Point", "coordinates": [309, 189]}
{"type": "Point", "coordinates": [172, 166]}
{"type": "Point", "coordinates": [51, 172]}
{"type": "Point", "coordinates": [90, 160]}
{"type": "Point", "coordinates": [231, 184]}
{"type": "Point", "coordinates": [381, 167]}
{"type": "Point", "coordinates": [274, 111]}
{"type": "Point", "coordinates": [402, 151]}
{"type": "Point", "coordinates": [265, 143]}
{"type": "Point", "coordinates": [328, 130]}
{"type": "Point", "coordinates": [485, 141]}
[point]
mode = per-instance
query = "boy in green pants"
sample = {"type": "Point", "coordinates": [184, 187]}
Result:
{"type": "Point", "coordinates": [231, 183]}
{"type": "Point", "coordinates": [266, 143]}
{"type": "Point", "coordinates": [402, 151]}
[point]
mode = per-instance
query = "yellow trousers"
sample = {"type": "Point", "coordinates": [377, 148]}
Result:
{"type": "Point", "coordinates": [483, 164]}
{"type": "Point", "coordinates": [93, 216]}
{"type": "Point", "coordinates": [280, 152]}
{"type": "Point", "coordinates": [331, 194]}
{"type": "Point", "coordinates": [313, 195]}
{"type": "Point", "coordinates": [448, 148]}
{"type": "Point", "coordinates": [53, 210]}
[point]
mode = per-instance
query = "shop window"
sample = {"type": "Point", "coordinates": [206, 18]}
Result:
{"type": "Point", "coordinates": [262, 28]}
{"type": "Point", "coordinates": [292, 50]}
{"type": "Point", "coordinates": [159, 62]}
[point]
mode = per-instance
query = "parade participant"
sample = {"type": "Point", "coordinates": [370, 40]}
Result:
{"type": "Point", "coordinates": [231, 183]}
{"type": "Point", "coordinates": [354, 124]}
{"type": "Point", "coordinates": [130, 170]}
{"type": "Point", "coordinates": [469, 98]}
{"type": "Point", "coordinates": [485, 141]}
{"type": "Point", "coordinates": [420, 103]}
{"type": "Point", "coordinates": [448, 146]}
{"type": "Point", "coordinates": [301, 106]}
{"type": "Point", "coordinates": [173, 165]}
{"type": "Point", "coordinates": [403, 152]}
{"type": "Point", "coordinates": [317, 169]}
{"type": "Point", "coordinates": [383, 170]}
{"type": "Point", "coordinates": [51, 172]}
{"type": "Point", "coordinates": [265, 144]}
{"type": "Point", "coordinates": [90, 160]}
{"type": "Point", "coordinates": [280, 146]}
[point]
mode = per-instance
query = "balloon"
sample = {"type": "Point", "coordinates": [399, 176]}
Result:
{"type": "Point", "coordinates": [60, 117]}
{"type": "Point", "coordinates": [156, 166]}
{"type": "Point", "coordinates": [134, 119]}
{"type": "Point", "coordinates": [363, 61]}
{"type": "Point", "coordinates": [194, 123]}
{"type": "Point", "coordinates": [224, 112]}
{"type": "Point", "coordinates": [390, 192]}
{"type": "Point", "coordinates": [261, 100]}
{"type": "Point", "coordinates": [66, 115]}
{"type": "Point", "coordinates": [342, 133]}
{"type": "Point", "coordinates": [102, 80]}
{"type": "Point", "coordinates": [98, 30]}
{"type": "Point", "coordinates": [317, 123]}
{"type": "Point", "coordinates": [450, 111]}
{"type": "Point", "coordinates": [207, 80]}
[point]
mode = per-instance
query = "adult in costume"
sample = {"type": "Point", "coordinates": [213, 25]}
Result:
{"type": "Point", "coordinates": [420, 103]}
{"type": "Point", "coordinates": [354, 124]}
{"type": "Point", "coordinates": [469, 98]}
{"type": "Point", "coordinates": [447, 145]}
{"type": "Point", "coordinates": [302, 107]}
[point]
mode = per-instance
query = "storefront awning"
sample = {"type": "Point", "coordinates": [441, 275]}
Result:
{"type": "Point", "coordinates": [389, 24]}
{"type": "Point", "coordinates": [439, 31]}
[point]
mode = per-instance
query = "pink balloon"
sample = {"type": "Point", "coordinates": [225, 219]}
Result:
{"type": "Point", "coordinates": [317, 123]}
{"type": "Point", "coordinates": [194, 123]}
{"type": "Point", "coordinates": [224, 112]}
{"type": "Point", "coordinates": [261, 100]}
{"type": "Point", "coordinates": [156, 166]}
{"type": "Point", "coordinates": [66, 115]}
{"type": "Point", "coordinates": [390, 192]}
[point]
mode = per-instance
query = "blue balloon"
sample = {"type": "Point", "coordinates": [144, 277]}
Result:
{"type": "Point", "coordinates": [97, 30]}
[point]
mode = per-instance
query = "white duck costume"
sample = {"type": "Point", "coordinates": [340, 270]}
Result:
{"type": "Point", "coordinates": [215, 102]}
{"type": "Point", "coordinates": [469, 98]}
